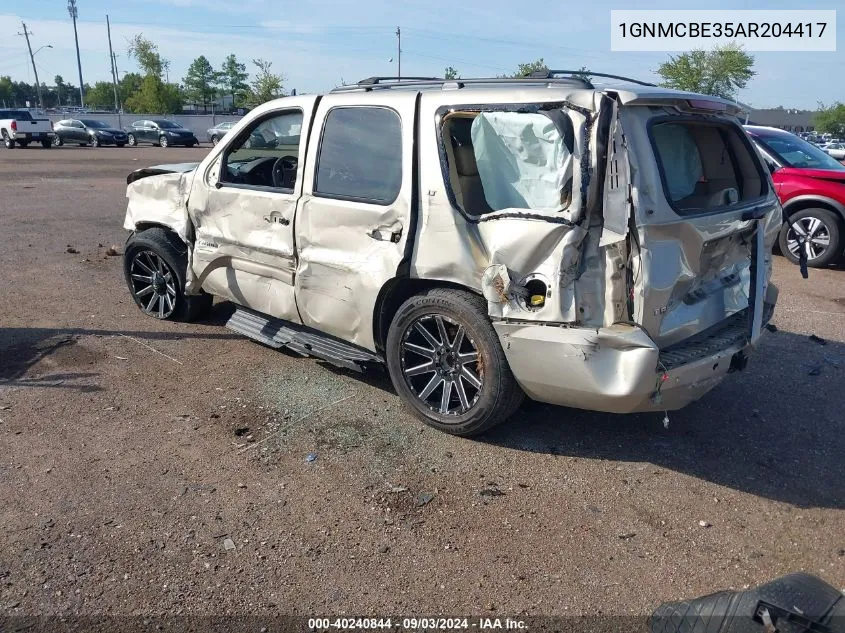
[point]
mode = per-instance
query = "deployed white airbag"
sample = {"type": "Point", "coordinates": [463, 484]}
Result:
{"type": "Point", "coordinates": [680, 158]}
{"type": "Point", "coordinates": [522, 161]}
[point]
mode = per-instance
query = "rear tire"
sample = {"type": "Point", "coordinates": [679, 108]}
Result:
{"type": "Point", "coordinates": [8, 143]}
{"type": "Point", "coordinates": [23, 144]}
{"type": "Point", "coordinates": [46, 144]}
{"type": "Point", "coordinates": [173, 254]}
{"type": "Point", "coordinates": [826, 231]}
{"type": "Point", "coordinates": [467, 359]}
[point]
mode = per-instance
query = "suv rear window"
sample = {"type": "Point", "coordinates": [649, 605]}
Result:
{"type": "Point", "coordinates": [360, 155]}
{"type": "Point", "coordinates": [705, 166]}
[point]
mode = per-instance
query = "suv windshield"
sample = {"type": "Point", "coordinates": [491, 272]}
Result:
{"type": "Point", "coordinates": [794, 152]}
{"type": "Point", "coordinates": [94, 124]}
{"type": "Point", "coordinates": [168, 125]}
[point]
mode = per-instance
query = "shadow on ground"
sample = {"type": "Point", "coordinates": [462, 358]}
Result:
{"type": "Point", "coordinates": [774, 430]}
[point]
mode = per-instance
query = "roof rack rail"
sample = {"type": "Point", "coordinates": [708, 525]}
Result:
{"type": "Point", "coordinates": [371, 81]}
{"type": "Point", "coordinates": [381, 83]}
{"type": "Point", "coordinates": [550, 74]}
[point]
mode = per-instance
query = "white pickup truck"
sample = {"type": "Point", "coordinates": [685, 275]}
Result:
{"type": "Point", "coordinates": [19, 126]}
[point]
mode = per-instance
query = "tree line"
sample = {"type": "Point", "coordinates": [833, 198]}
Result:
{"type": "Point", "coordinates": [149, 91]}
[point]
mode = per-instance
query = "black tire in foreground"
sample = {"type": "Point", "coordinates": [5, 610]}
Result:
{"type": "Point", "coordinates": [154, 266]}
{"type": "Point", "coordinates": [824, 232]}
{"type": "Point", "coordinates": [446, 362]}
{"type": "Point", "coordinates": [8, 143]}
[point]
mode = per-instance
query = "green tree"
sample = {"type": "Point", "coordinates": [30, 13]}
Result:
{"type": "Point", "coordinates": [146, 54]}
{"type": "Point", "coordinates": [155, 96]}
{"type": "Point", "coordinates": [200, 82]}
{"type": "Point", "coordinates": [523, 70]}
{"type": "Point", "coordinates": [584, 74]}
{"type": "Point", "coordinates": [7, 90]}
{"type": "Point", "coordinates": [101, 95]}
{"type": "Point", "coordinates": [831, 119]}
{"type": "Point", "coordinates": [720, 72]}
{"type": "Point", "coordinates": [266, 85]}
{"type": "Point", "coordinates": [233, 78]}
{"type": "Point", "coordinates": [451, 73]}
{"type": "Point", "coordinates": [129, 85]}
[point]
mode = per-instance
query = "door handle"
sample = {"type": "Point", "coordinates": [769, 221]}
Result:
{"type": "Point", "coordinates": [277, 218]}
{"type": "Point", "coordinates": [385, 235]}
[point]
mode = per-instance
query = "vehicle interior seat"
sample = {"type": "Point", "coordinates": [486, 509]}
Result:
{"type": "Point", "coordinates": [475, 203]}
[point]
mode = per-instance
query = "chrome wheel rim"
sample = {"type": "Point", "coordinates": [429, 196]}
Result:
{"type": "Point", "coordinates": [815, 233]}
{"type": "Point", "coordinates": [130, 139]}
{"type": "Point", "coordinates": [441, 365]}
{"type": "Point", "coordinates": [163, 141]}
{"type": "Point", "coordinates": [153, 284]}
{"type": "Point", "coordinates": [214, 140]}
{"type": "Point", "coordinates": [57, 141]}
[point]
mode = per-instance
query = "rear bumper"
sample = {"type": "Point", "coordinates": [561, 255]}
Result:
{"type": "Point", "coordinates": [616, 369]}
{"type": "Point", "coordinates": [32, 136]}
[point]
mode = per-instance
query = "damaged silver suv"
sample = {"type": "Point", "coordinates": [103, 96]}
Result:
{"type": "Point", "coordinates": [605, 246]}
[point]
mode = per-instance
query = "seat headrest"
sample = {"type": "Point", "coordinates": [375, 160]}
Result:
{"type": "Point", "coordinates": [465, 161]}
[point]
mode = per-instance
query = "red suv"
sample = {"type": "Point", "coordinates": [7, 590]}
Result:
{"type": "Point", "coordinates": [811, 188]}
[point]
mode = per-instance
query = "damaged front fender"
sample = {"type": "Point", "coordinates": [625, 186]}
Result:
{"type": "Point", "coordinates": [158, 195]}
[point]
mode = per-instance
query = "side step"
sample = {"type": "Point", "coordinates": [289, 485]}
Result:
{"type": "Point", "coordinates": [300, 339]}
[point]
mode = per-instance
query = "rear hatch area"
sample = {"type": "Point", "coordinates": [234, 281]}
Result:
{"type": "Point", "coordinates": [706, 218]}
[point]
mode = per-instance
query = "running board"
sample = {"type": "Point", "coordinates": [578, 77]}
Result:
{"type": "Point", "coordinates": [300, 339]}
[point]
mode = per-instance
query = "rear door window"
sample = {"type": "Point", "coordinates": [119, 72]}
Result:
{"type": "Point", "coordinates": [360, 155]}
{"type": "Point", "coordinates": [705, 165]}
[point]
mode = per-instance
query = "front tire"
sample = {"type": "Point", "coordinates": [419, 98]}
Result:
{"type": "Point", "coordinates": [214, 140]}
{"type": "Point", "coordinates": [162, 141]}
{"type": "Point", "coordinates": [447, 364]}
{"type": "Point", "coordinates": [95, 142]}
{"type": "Point", "coordinates": [131, 140]}
{"type": "Point", "coordinates": [57, 141]}
{"type": "Point", "coordinates": [154, 265]}
{"type": "Point", "coordinates": [825, 232]}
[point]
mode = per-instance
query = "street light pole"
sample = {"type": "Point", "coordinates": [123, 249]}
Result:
{"type": "Point", "coordinates": [399, 51]}
{"type": "Point", "coordinates": [34, 67]}
{"type": "Point", "coordinates": [71, 9]}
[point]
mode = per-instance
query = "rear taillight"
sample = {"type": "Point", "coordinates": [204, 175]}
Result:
{"type": "Point", "coordinates": [14, 125]}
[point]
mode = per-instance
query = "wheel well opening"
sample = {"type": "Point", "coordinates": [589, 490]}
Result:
{"type": "Point", "coordinates": [393, 294]}
{"type": "Point", "coordinates": [801, 205]}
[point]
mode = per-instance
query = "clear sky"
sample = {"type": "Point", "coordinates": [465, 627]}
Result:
{"type": "Point", "coordinates": [317, 44]}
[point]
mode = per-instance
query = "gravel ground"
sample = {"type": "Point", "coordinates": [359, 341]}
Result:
{"type": "Point", "coordinates": [152, 467]}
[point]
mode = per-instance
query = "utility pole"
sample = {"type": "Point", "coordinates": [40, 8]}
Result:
{"type": "Point", "coordinates": [399, 50]}
{"type": "Point", "coordinates": [26, 34]}
{"type": "Point", "coordinates": [111, 63]}
{"type": "Point", "coordinates": [71, 9]}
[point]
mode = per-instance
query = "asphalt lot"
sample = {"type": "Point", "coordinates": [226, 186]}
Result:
{"type": "Point", "coordinates": [130, 450]}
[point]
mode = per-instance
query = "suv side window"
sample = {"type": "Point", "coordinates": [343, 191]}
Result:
{"type": "Point", "coordinates": [266, 154]}
{"type": "Point", "coordinates": [360, 155]}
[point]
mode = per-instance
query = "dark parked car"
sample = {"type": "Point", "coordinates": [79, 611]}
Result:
{"type": "Point", "coordinates": [87, 132]}
{"type": "Point", "coordinates": [160, 132]}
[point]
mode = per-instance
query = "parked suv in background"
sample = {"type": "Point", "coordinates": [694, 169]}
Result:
{"type": "Point", "coordinates": [811, 188]}
{"type": "Point", "coordinates": [607, 248]}
{"type": "Point", "coordinates": [160, 132]}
